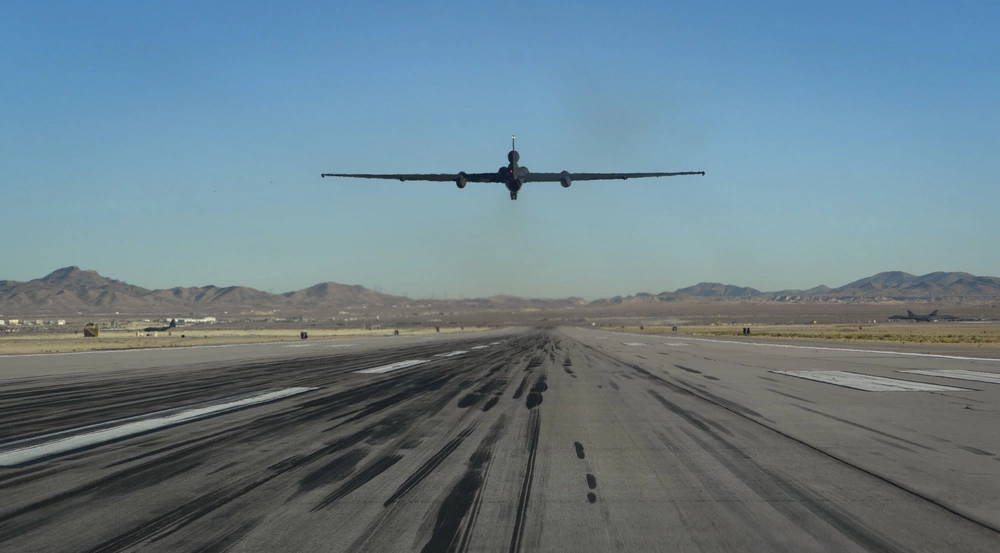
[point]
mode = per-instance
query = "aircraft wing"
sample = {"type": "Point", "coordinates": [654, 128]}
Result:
{"type": "Point", "coordinates": [556, 177]}
{"type": "Point", "coordinates": [442, 177]}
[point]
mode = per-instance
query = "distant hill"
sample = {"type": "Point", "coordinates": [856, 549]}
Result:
{"type": "Point", "coordinates": [717, 290]}
{"type": "Point", "coordinates": [897, 284]}
{"type": "Point", "coordinates": [71, 290]}
{"type": "Point", "coordinates": [335, 294]}
{"type": "Point", "coordinates": [889, 285]}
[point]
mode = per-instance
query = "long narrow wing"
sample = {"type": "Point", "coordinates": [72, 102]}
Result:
{"type": "Point", "coordinates": [442, 177]}
{"type": "Point", "coordinates": [556, 177]}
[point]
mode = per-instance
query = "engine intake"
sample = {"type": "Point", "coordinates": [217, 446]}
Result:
{"type": "Point", "coordinates": [461, 180]}
{"type": "Point", "coordinates": [565, 180]}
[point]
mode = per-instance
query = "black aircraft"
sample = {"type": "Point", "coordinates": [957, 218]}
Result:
{"type": "Point", "coordinates": [513, 175]}
{"type": "Point", "coordinates": [911, 316]}
{"type": "Point", "coordinates": [172, 325]}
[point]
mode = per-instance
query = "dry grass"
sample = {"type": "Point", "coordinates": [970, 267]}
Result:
{"type": "Point", "coordinates": [930, 333]}
{"type": "Point", "coordinates": [127, 339]}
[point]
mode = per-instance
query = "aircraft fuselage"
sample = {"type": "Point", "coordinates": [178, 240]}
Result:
{"type": "Point", "coordinates": [512, 174]}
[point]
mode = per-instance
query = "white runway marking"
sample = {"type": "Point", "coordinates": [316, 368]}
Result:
{"type": "Point", "coordinates": [392, 366]}
{"type": "Point", "coordinates": [494, 343]}
{"type": "Point", "coordinates": [58, 446]}
{"type": "Point", "coordinates": [451, 353]}
{"type": "Point", "coordinates": [479, 347]}
{"type": "Point", "coordinates": [869, 383]}
{"type": "Point", "coordinates": [320, 344]}
{"type": "Point", "coordinates": [960, 374]}
{"type": "Point", "coordinates": [676, 344]}
{"type": "Point", "coordinates": [633, 343]}
{"type": "Point", "coordinates": [823, 348]}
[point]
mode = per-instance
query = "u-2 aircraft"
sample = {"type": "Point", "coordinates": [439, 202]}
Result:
{"type": "Point", "coordinates": [513, 176]}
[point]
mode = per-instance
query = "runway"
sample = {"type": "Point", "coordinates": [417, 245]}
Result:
{"type": "Point", "coordinates": [564, 439]}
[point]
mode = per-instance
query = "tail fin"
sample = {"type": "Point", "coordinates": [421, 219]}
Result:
{"type": "Point", "coordinates": [173, 323]}
{"type": "Point", "coordinates": [933, 313]}
{"type": "Point", "coordinates": [910, 313]}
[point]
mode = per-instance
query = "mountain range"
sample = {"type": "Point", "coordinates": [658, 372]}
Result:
{"type": "Point", "coordinates": [885, 286]}
{"type": "Point", "coordinates": [72, 290]}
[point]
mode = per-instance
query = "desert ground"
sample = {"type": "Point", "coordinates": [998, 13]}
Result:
{"type": "Point", "coordinates": [972, 334]}
{"type": "Point", "coordinates": [65, 342]}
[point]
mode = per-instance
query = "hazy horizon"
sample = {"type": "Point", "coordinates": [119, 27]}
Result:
{"type": "Point", "coordinates": [501, 293]}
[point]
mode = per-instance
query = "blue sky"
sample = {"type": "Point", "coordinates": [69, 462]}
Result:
{"type": "Point", "coordinates": [181, 143]}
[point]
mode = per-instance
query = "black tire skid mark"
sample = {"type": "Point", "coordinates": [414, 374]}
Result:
{"type": "Point", "coordinates": [520, 518]}
{"type": "Point", "coordinates": [429, 466]}
{"type": "Point", "coordinates": [704, 476]}
{"type": "Point", "coordinates": [803, 507]}
{"type": "Point", "coordinates": [365, 541]}
{"type": "Point", "coordinates": [131, 394]}
{"type": "Point", "coordinates": [373, 434]}
{"type": "Point", "coordinates": [492, 387]}
{"type": "Point", "coordinates": [536, 394]}
{"type": "Point", "coordinates": [226, 541]}
{"type": "Point", "coordinates": [688, 369]}
{"type": "Point", "coordinates": [520, 387]}
{"type": "Point", "coordinates": [713, 398]}
{"type": "Point", "coordinates": [694, 420]}
{"type": "Point", "coordinates": [490, 403]}
{"type": "Point", "coordinates": [176, 519]}
{"type": "Point", "coordinates": [802, 399]}
{"type": "Point", "coordinates": [117, 483]}
{"type": "Point", "coordinates": [29, 474]}
{"type": "Point", "coordinates": [864, 427]}
{"type": "Point", "coordinates": [742, 412]}
{"type": "Point", "coordinates": [463, 499]}
{"type": "Point", "coordinates": [365, 475]}
{"type": "Point", "coordinates": [333, 471]}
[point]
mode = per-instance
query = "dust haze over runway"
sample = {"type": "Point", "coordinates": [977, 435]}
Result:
{"type": "Point", "coordinates": [520, 439]}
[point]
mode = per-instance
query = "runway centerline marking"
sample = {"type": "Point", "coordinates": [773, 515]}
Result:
{"type": "Point", "coordinates": [74, 442]}
{"type": "Point", "coordinates": [852, 350]}
{"type": "Point", "coordinates": [676, 344]}
{"type": "Point", "coordinates": [392, 366]}
{"type": "Point", "coordinates": [479, 347]}
{"type": "Point", "coordinates": [452, 353]}
{"type": "Point", "coordinates": [869, 383]}
{"type": "Point", "coordinates": [633, 344]}
{"type": "Point", "coordinates": [959, 374]}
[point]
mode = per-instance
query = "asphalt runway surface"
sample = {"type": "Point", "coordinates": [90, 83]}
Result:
{"type": "Point", "coordinates": [512, 440]}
